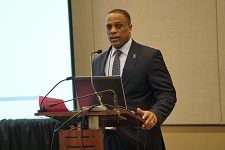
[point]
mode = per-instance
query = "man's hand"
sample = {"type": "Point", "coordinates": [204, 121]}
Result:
{"type": "Point", "coordinates": [149, 117]}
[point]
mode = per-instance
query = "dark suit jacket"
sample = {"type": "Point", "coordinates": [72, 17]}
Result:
{"type": "Point", "coordinates": [147, 85]}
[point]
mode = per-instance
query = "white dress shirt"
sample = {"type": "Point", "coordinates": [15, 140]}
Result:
{"type": "Point", "coordinates": [109, 63]}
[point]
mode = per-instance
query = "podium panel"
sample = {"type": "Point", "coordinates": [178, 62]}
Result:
{"type": "Point", "coordinates": [81, 139]}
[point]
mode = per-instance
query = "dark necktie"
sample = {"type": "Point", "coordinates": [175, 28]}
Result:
{"type": "Point", "coordinates": [116, 63]}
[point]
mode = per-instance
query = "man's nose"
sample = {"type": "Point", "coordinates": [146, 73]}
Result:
{"type": "Point", "coordinates": [113, 30]}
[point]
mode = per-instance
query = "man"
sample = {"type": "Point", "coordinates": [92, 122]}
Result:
{"type": "Point", "coordinates": [147, 85]}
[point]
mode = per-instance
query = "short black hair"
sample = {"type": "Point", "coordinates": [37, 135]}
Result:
{"type": "Point", "coordinates": [124, 12]}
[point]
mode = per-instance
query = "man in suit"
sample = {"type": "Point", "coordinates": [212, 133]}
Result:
{"type": "Point", "coordinates": [147, 85]}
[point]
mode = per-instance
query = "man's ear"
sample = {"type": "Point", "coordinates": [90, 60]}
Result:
{"type": "Point", "coordinates": [130, 27]}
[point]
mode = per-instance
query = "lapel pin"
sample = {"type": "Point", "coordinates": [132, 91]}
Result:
{"type": "Point", "coordinates": [134, 55]}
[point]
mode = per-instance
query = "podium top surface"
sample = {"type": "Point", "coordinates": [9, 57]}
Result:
{"type": "Point", "coordinates": [109, 118]}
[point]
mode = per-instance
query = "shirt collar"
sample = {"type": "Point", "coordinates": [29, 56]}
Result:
{"type": "Point", "coordinates": [125, 48]}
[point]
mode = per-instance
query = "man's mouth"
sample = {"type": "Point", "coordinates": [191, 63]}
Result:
{"type": "Point", "coordinates": [115, 38]}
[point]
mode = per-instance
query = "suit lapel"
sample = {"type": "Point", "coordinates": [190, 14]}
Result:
{"type": "Point", "coordinates": [130, 62]}
{"type": "Point", "coordinates": [103, 62]}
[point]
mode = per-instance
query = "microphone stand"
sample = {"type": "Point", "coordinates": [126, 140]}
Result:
{"type": "Point", "coordinates": [42, 109]}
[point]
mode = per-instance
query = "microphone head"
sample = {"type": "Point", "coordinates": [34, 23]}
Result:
{"type": "Point", "coordinates": [99, 51]}
{"type": "Point", "coordinates": [69, 78]}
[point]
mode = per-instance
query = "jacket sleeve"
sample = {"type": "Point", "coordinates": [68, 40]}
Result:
{"type": "Point", "coordinates": [162, 87]}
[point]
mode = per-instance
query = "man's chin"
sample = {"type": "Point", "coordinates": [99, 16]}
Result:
{"type": "Point", "coordinates": [116, 45]}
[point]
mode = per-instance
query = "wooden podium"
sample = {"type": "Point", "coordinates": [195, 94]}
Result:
{"type": "Point", "coordinates": [91, 139]}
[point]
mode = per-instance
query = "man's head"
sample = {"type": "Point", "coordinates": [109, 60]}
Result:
{"type": "Point", "coordinates": [119, 27]}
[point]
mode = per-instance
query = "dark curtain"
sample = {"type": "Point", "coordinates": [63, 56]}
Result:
{"type": "Point", "coordinates": [28, 134]}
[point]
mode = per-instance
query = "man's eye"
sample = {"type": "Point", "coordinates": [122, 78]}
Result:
{"type": "Point", "coordinates": [108, 27]}
{"type": "Point", "coordinates": [118, 26]}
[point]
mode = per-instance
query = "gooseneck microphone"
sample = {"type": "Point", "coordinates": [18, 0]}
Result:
{"type": "Point", "coordinates": [96, 93]}
{"type": "Point", "coordinates": [42, 109]}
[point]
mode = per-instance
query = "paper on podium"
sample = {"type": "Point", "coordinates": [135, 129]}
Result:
{"type": "Point", "coordinates": [59, 107]}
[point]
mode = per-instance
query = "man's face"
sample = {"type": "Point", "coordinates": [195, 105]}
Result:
{"type": "Point", "coordinates": [118, 29]}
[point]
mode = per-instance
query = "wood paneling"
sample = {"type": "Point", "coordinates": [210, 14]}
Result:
{"type": "Point", "coordinates": [221, 52]}
{"type": "Point", "coordinates": [83, 35]}
{"type": "Point", "coordinates": [194, 137]}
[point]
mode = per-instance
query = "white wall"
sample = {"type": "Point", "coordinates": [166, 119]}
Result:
{"type": "Point", "coordinates": [34, 54]}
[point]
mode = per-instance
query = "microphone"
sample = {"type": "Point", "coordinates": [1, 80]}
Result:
{"type": "Point", "coordinates": [109, 90]}
{"type": "Point", "coordinates": [98, 51]}
{"type": "Point", "coordinates": [42, 109]}
{"type": "Point", "coordinates": [99, 98]}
